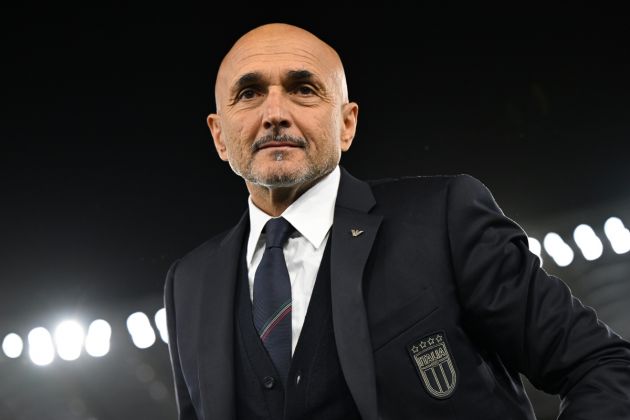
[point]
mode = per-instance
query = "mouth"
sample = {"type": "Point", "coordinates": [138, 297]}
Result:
{"type": "Point", "coordinates": [278, 144]}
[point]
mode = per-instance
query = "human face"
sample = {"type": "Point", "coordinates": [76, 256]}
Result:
{"type": "Point", "coordinates": [281, 118]}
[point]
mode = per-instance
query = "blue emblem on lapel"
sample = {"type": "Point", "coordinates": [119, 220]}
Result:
{"type": "Point", "coordinates": [435, 365]}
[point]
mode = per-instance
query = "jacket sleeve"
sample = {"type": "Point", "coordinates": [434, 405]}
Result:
{"type": "Point", "coordinates": [529, 318]}
{"type": "Point", "coordinates": [185, 408]}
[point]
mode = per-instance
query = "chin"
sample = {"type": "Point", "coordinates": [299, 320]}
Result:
{"type": "Point", "coordinates": [282, 175]}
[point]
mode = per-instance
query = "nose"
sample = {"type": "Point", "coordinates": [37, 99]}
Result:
{"type": "Point", "coordinates": [275, 113]}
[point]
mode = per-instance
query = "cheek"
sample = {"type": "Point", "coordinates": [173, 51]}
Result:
{"type": "Point", "coordinates": [239, 136]}
{"type": "Point", "coordinates": [247, 128]}
{"type": "Point", "coordinates": [326, 131]}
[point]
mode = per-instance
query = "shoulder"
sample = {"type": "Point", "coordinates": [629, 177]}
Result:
{"type": "Point", "coordinates": [410, 181]}
{"type": "Point", "coordinates": [186, 274]}
{"type": "Point", "coordinates": [428, 186]}
{"type": "Point", "coordinates": [206, 248]}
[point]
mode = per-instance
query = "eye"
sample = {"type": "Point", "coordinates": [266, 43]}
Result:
{"type": "Point", "coordinates": [247, 94]}
{"type": "Point", "coordinates": [305, 90]}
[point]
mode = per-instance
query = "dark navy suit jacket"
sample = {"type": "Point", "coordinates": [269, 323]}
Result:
{"type": "Point", "coordinates": [438, 305]}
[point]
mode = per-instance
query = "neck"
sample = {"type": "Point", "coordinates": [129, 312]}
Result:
{"type": "Point", "coordinates": [274, 201]}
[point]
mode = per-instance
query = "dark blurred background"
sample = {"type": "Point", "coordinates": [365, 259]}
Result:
{"type": "Point", "coordinates": [108, 173]}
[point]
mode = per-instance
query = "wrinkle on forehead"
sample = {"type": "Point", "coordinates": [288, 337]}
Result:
{"type": "Point", "coordinates": [276, 43]}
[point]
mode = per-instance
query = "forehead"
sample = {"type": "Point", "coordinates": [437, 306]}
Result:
{"type": "Point", "coordinates": [276, 56]}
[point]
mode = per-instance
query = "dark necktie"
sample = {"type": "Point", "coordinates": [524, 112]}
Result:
{"type": "Point", "coordinates": [272, 297]}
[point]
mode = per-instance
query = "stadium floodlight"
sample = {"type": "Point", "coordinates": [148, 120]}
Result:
{"type": "Point", "coordinates": [98, 338]}
{"type": "Point", "coordinates": [555, 246]}
{"type": "Point", "coordinates": [160, 322]}
{"type": "Point", "coordinates": [588, 242]}
{"type": "Point", "coordinates": [535, 248]}
{"type": "Point", "coordinates": [40, 346]}
{"type": "Point", "coordinates": [12, 345]}
{"type": "Point", "coordinates": [69, 337]}
{"type": "Point", "coordinates": [618, 235]}
{"type": "Point", "coordinates": [140, 329]}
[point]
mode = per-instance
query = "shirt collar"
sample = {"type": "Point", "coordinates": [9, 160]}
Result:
{"type": "Point", "coordinates": [311, 214]}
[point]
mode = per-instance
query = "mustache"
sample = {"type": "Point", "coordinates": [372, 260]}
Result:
{"type": "Point", "coordinates": [280, 138]}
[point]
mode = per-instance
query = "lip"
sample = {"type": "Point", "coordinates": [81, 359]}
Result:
{"type": "Point", "coordinates": [278, 145]}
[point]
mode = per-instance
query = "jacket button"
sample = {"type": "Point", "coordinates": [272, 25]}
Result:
{"type": "Point", "coordinates": [269, 382]}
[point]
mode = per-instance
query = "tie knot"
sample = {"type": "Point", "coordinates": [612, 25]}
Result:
{"type": "Point", "coordinates": [277, 231]}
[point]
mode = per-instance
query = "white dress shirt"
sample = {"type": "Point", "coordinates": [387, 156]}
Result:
{"type": "Point", "coordinates": [312, 217]}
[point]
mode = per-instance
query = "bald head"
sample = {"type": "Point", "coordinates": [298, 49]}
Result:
{"type": "Point", "coordinates": [283, 117]}
{"type": "Point", "coordinates": [280, 44]}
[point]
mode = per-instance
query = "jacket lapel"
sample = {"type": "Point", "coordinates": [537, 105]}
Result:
{"type": "Point", "coordinates": [216, 323]}
{"type": "Point", "coordinates": [353, 234]}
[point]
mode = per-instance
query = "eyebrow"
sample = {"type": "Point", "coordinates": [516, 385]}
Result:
{"type": "Point", "coordinates": [256, 78]}
{"type": "Point", "coordinates": [300, 75]}
{"type": "Point", "coordinates": [248, 79]}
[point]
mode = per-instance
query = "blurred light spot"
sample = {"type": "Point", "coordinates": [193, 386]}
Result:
{"type": "Point", "coordinates": [12, 345]}
{"type": "Point", "coordinates": [145, 373]}
{"type": "Point", "coordinates": [77, 407]}
{"type": "Point", "coordinates": [98, 336]}
{"type": "Point", "coordinates": [140, 329]}
{"type": "Point", "coordinates": [618, 235]}
{"type": "Point", "coordinates": [590, 245]}
{"type": "Point", "coordinates": [535, 248]}
{"type": "Point", "coordinates": [69, 338]}
{"type": "Point", "coordinates": [40, 346]}
{"type": "Point", "coordinates": [160, 322]}
{"type": "Point", "coordinates": [158, 391]}
{"type": "Point", "coordinates": [561, 253]}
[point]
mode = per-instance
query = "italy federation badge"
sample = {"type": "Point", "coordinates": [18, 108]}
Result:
{"type": "Point", "coordinates": [434, 364]}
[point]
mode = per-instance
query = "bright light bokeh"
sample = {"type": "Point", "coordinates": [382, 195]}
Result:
{"type": "Point", "coordinates": [140, 329]}
{"type": "Point", "coordinates": [69, 337]}
{"type": "Point", "coordinates": [12, 345]}
{"type": "Point", "coordinates": [618, 235]}
{"type": "Point", "coordinates": [561, 253]}
{"type": "Point", "coordinates": [160, 322]}
{"type": "Point", "coordinates": [535, 248]}
{"type": "Point", "coordinates": [588, 242]}
{"type": "Point", "coordinates": [40, 346]}
{"type": "Point", "coordinates": [98, 338]}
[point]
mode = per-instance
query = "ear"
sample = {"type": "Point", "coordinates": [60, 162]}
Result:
{"type": "Point", "coordinates": [349, 114]}
{"type": "Point", "coordinates": [214, 124]}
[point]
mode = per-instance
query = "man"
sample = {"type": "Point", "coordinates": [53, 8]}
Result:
{"type": "Point", "coordinates": [400, 299]}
